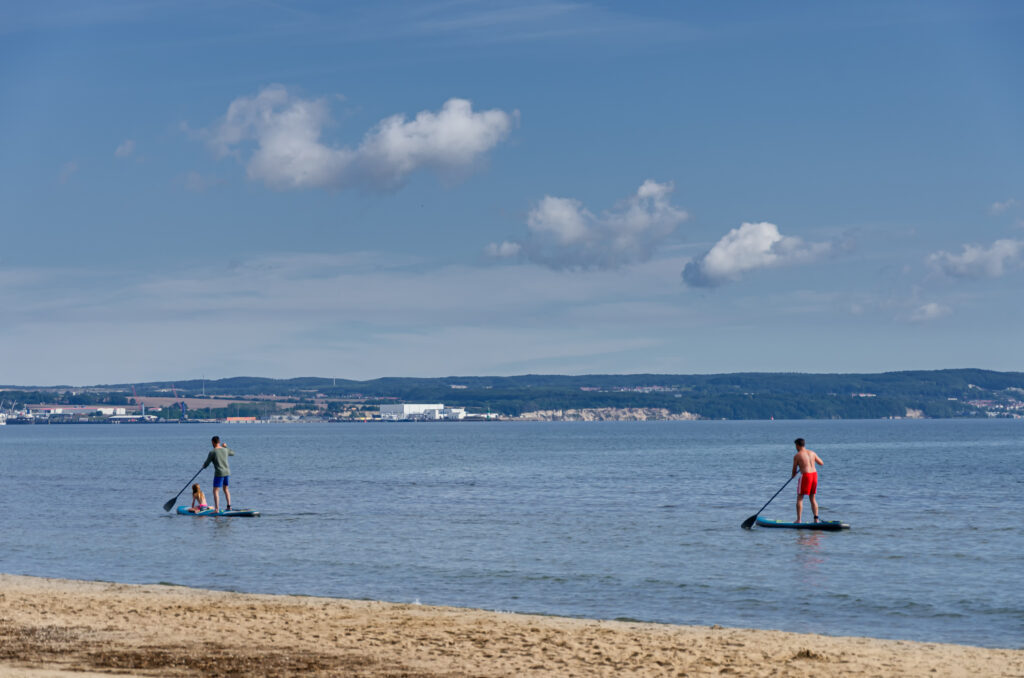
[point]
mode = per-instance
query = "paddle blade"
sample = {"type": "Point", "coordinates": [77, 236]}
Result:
{"type": "Point", "coordinates": [749, 522]}
{"type": "Point", "coordinates": [169, 505]}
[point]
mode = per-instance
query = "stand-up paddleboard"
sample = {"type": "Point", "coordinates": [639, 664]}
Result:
{"type": "Point", "coordinates": [233, 513]}
{"type": "Point", "coordinates": [830, 525]}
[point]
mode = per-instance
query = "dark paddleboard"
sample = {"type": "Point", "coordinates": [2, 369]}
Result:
{"type": "Point", "coordinates": [233, 513]}
{"type": "Point", "coordinates": [830, 525]}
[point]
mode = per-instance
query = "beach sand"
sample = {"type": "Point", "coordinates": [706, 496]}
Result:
{"type": "Point", "coordinates": [58, 628]}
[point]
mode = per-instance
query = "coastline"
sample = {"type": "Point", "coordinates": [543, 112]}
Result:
{"type": "Point", "coordinates": [59, 627]}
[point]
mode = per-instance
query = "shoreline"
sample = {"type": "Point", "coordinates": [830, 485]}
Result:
{"type": "Point", "coordinates": [60, 627]}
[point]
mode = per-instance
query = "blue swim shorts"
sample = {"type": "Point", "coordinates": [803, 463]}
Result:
{"type": "Point", "coordinates": [220, 481]}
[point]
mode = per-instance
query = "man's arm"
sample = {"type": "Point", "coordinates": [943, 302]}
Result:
{"type": "Point", "coordinates": [796, 466]}
{"type": "Point", "coordinates": [231, 452]}
{"type": "Point", "coordinates": [818, 459]}
{"type": "Point", "coordinates": [209, 458]}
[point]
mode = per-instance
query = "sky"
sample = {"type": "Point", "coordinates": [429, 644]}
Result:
{"type": "Point", "coordinates": [478, 187]}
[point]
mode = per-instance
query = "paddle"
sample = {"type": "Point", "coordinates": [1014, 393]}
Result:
{"type": "Point", "coordinates": [749, 522]}
{"type": "Point", "coordinates": [169, 505]}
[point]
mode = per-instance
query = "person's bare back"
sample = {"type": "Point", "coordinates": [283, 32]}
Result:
{"type": "Point", "coordinates": [803, 461]}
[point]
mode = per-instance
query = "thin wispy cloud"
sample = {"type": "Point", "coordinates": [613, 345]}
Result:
{"type": "Point", "coordinates": [453, 17]}
{"type": "Point", "coordinates": [295, 312]}
{"type": "Point", "coordinates": [563, 234]}
{"type": "Point", "coordinates": [977, 261]}
{"type": "Point", "coordinates": [750, 247]}
{"type": "Point", "coordinates": [503, 21]}
{"type": "Point", "coordinates": [929, 311]}
{"type": "Point", "coordinates": [31, 16]}
{"type": "Point", "coordinates": [997, 208]}
{"type": "Point", "coordinates": [199, 183]}
{"type": "Point", "coordinates": [125, 148]}
{"type": "Point", "coordinates": [67, 170]}
{"type": "Point", "coordinates": [284, 133]}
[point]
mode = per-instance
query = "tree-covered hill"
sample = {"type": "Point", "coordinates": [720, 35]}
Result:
{"type": "Point", "coordinates": [937, 393]}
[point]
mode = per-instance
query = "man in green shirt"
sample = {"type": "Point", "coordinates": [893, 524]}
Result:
{"type": "Point", "coordinates": [219, 458]}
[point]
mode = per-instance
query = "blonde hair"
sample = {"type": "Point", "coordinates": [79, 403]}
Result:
{"type": "Point", "coordinates": [196, 492]}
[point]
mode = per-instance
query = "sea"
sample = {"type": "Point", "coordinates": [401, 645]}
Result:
{"type": "Point", "coordinates": [611, 520]}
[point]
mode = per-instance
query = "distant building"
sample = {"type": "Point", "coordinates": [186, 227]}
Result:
{"type": "Point", "coordinates": [420, 412]}
{"type": "Point", "coordinates": [86, 410]}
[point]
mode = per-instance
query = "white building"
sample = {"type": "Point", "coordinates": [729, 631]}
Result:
{"type": "Point", "coordinates": [419, 411]}
{"type": "Point", "coordinates": [88, 410]}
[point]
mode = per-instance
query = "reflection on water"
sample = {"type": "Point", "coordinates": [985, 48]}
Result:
{"type": "Point", "coordinates": [222, 525]}
{"type": "Point", "coordinates": [809, 555]}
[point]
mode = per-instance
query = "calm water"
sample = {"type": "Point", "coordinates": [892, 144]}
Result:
{"type": "Point", "coordinates": [610, 520]}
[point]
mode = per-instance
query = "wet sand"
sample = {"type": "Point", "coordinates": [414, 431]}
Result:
{"type": "Point", "coordinates": [53, 628]}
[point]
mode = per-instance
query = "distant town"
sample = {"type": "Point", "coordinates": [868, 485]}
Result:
{"type": "Point", "coordinates": [150, 411]}
{"type": "Point", "coordinates": [639, 397]}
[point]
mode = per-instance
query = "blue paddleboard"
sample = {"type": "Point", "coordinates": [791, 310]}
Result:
{"type": "Point", "coordinates": [233, 513]}
{"type": "Point", "coordinates": [830, 525]}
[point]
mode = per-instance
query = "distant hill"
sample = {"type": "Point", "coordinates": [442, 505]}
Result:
{"type": "Point", "coordinates": [935, 393]}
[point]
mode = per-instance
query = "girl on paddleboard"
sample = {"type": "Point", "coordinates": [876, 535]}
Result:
{"type": "Point", "coordinates": [198, 500]}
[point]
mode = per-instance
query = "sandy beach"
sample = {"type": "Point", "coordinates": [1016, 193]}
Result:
{"type": "Point", "coordinates": [54, 627]}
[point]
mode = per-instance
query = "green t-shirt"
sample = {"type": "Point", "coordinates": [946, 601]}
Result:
{"type": "Point", "coordinates": [219, 458]}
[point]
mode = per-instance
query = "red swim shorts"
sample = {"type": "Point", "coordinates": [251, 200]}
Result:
{"type": "Point", "coordinates": [808, 483]}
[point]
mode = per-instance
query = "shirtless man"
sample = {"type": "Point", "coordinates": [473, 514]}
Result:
{"type": "Point", "coordinates": [803, 462]}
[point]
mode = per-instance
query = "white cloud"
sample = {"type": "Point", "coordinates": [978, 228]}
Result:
{"type": "Point", "coordinates": [998, 208]}
{"type": "Point", "coordinates": [289, 152]}
{"type": "Point", "coordinates": [980, 262]}
{"type": "Point", "coordinates": [929, 311]}
{"type": "Point", "coordinates": [503, 249]}
{"type": "Point", "coordinates": [563, 234]}
{"type": "Point", "coordinates": [747, 248]}
{"type": "Point", "coordinates": [126, 148]}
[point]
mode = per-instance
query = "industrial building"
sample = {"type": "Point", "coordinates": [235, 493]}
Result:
{"type": "Point", "coordinates": [421, 412]}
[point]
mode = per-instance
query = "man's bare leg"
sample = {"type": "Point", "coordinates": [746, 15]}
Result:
{"type": "Point", "coordinates": [227, 497]}
{"type": "Point", "coordinates": [799, 506]}
{"type": "Point", "coordinates": [216, 499]}
{"type": "Point", "coordinates": [814, 505]}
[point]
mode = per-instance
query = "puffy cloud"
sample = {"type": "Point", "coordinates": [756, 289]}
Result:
{"type": "Point", "coordinates": [929, 311]}
{"type": "Point", "coordinates": [563, 234]}
{"type": "Point", "coordinates": [126, 148]}
{"type": "Point", "coordinates": [289, 152]}
{"type": "Point", "coordinates": [998, 208]}
{"type": "Point", "coordinates": [980, 262]}
{"type": "Point", "coordinates": [747, 248]}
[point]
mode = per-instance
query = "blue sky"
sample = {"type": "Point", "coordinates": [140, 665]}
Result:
{"type": "Point", "coordinates": [464, 187]}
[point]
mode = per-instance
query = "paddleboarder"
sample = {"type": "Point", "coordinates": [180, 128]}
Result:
{"type": "Point", "coordinates": [198, 500]}
{"type": "Point", "coordinates": [218, 456]}
{"type": "Point", "coordinates": [803, 463]}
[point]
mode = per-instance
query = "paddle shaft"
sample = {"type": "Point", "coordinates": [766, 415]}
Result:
{"type": "Point", "coordinates": [752, 518]}
{"type": "Point", "coordinates": [171, 502]}
{"type": "Point", "coordinates": [766, 503]}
